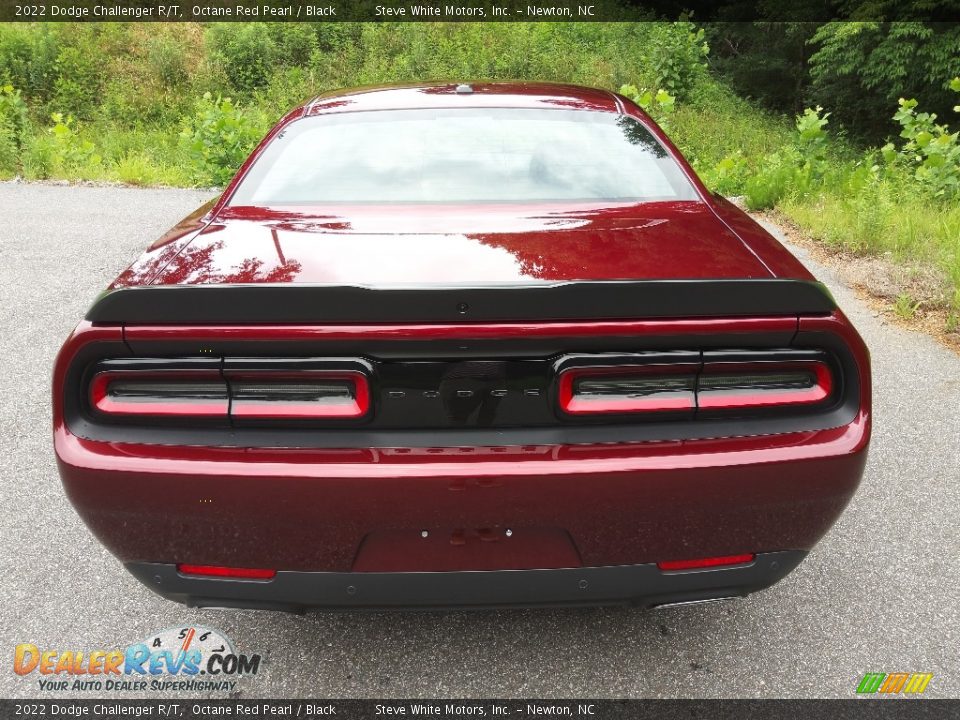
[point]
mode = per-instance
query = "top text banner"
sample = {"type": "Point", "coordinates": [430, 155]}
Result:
{"type": "Point", "coordinates": [316, 10]}
{"type": "Point", "coordinates": [434, 10]}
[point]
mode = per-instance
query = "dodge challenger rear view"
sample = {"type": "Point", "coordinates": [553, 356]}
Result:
{"type": "Point", "coordinates": [462, 345]}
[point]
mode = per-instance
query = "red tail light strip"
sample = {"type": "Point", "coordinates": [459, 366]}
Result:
{"type": "Point", "coordinates": [718, 386]}
{"type": "Point", "coordinates": [302, 395]}
{"type": "Point", "coordinates": [619, 389]}
{"type": "Point", "coordinates": [310, 394]}
{"type": "Point", "coordinates": [724, 386]}
{"type": "Point", "coordinates": [710, 562]}
{"type": "Point", "coordinates": [220, 571]}
{"type": "Point", "coordinates": [174, 393]}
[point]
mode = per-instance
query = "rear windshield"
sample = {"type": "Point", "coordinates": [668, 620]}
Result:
{"type": "Point", "coordinates": [464, 155]}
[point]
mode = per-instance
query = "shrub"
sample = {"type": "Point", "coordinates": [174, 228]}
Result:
{"type": "Point", "coordinates": [136, 169]}
{"type": "Point", "coordinates": [677, 57]}
{"type": "Point", "coordinates": [247, 53]}
{"type": "Point", "coordinates": [772, 183]}
{"type": "Point", "coordinates": [60, 151]}
{"type": "Point", "coordinates": [931, 150]}
{"type": "Point", "coordinates": [72, 150]}
{"type": "Point", "coordinates": [288, 87]}
{"type": "Point", "coordinates": [9, 157]}
{"type": "Point", "coordinates": [658, 105]}
{"type": "Point", "coordinates": [728, 176]}
{"type": "Point", "coordinates": [905, 306]}
{"type": "Point", "coordinates": [336, 36]}
{"type": "Point", "coordinates": [861, 68]}
{"type": "Point", "coordinates": [167, 60]}
{"type": "Point", "coordinates": [218, 138]}
{"type": "Point", "coordinates": [14, 124]}
{"type": "Point", "coordinates": [38, 158]}
{"type": "Point", "coordinates": [294, 43]}
{"type": "Point", "coordinates": [28, 55]}
{"type": "Point", "coordinates": [797, 168]}
{"type": "Point", "coordinates": [80, 73]}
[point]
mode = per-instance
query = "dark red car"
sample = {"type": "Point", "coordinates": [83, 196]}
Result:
{"type": "Point", "coordinates": [452, 345]}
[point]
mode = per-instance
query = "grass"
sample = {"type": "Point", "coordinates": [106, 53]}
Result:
{"type": "Point", "coordinates": [884, 219]}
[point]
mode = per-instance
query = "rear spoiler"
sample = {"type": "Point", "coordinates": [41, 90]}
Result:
{"type": "Point", "coordinates": [579, 300]}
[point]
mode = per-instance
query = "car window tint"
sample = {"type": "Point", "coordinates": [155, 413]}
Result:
{"type": "Point", "coordinates": [465, 155]}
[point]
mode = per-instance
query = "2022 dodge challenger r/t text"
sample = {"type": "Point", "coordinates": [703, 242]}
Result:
{"type": "Point", "coordinates": [452, 345]}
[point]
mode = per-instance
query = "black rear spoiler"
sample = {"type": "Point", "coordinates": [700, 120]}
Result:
{"type": "Point", "coordinates": [580, 300]}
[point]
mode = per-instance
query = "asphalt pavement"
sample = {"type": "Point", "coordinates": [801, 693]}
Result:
{"type": "Point", "coordinates": [880, 593]}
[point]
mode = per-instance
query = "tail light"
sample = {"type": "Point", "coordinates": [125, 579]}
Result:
{"type": "Point", "coordinates": [585, 391]}
{"type": "Point", "coordinates": [258, 389]}
{"type": "Point", "coordinates": [286, 396]}
{"type": "Point", "coordinates": [722, 381]}
{"type": "Point", "coordinates": [667, 385]}
{"type": "Point", "coordinates": [160, 394]}
{"type": "Point", "coordinates": [724, 386]}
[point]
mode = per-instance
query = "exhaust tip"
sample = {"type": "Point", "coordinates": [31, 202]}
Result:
{"type": "Point", "coordinates": [687, 603]}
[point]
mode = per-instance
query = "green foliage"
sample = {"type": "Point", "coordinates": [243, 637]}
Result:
{"type": "Point", "coordinates": [719, 125]}
{"type": "Point", "coordinates": [246, 51]}
{"type": "Point", "coordinates": [953, 322]}
{"type": "Point", "coordinates": [9, 152]}
{"type": "Point", "coordinates": [293, 43]}
{"type": "Point", "coordinates": [856, 68]}
{"type": "Point", "coordinates": [14, 125]}
{"type": "Point", "coordinates": [28, 56]}
{"type": "Point", "coordinates": [812, 136]}
{"type": "Point", "coordinates": [905, 306]}
{"type": "Point", "coordinates": [218, 138]}
{"type": "Point", "coordinates": [764, 61]}
{"type": "Point", "coordinates": [80, 74]}
{"type": "Point", "coordinates": [659, 105]}
{"type": "Point", "coordinates": [797, 167]}
{"type": "Point", "coordinates": [60, 150]}
{"type": "Point", "coordinates": [677, 56]}
{"type": "Point", "coordinates": [729, 175]}
{"type": "Point", "coordinates": [861, 68]}
{"type": "Point", "coordinates": [73, 150]}
{"type": "Point", "coordinates": [931, 150]}
{"type": "Point", "coordinates": [766, 188]}
{"type": "Point", "coordinates": [168, 60]}
{"type": "Point", "coordinates": [137, 169]}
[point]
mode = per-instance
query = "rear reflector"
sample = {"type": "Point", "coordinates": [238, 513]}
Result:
{"type": "Point", "coordinates": [710, 562]}
{"type": "Point", "coordinates": [172, 393]}
{"type": "Point", "coordinates": [304, 395]}
{"type": "Point", "coordinates": [652, 388]}
{"type": "Point", "coordinates": [226, 572]}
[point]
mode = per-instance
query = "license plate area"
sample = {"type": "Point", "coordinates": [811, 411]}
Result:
{"type": "Point", "coordinates": [456, 549]}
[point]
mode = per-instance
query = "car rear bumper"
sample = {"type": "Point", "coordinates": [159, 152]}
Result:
{"type": "Point", "coordinates": [640, 585]}
{"type": "Point", "coordinates": [439, 527]}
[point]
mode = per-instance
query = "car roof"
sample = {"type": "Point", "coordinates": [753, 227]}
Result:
{"type": "Point", "coordinates": [468, 94]}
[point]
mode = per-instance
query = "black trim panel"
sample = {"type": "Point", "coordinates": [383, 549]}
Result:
{"type": "Point", "coordinates": [579, 300]}
{"type": "Point", "coordinates": [642, 585]}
